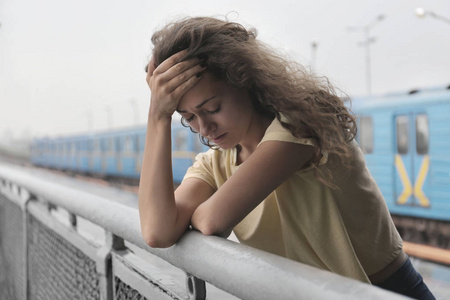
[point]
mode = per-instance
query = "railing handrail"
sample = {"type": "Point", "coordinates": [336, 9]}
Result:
{"type": "Point", "coordinates": [245, 272]}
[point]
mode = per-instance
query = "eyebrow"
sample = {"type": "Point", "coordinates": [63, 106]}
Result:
{"type": "Point", "coordinates": [200, 105]}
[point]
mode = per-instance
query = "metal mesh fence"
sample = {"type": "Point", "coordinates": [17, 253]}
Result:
{"type": "Point", "coordinates": [12, 271]}
{"type": "Point", "coordinates": [124, 292]}
{"type": "Point", "coordinates": [57, 269]}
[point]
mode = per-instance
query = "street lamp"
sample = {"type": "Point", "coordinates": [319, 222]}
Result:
{"type": "Point", "coordinates": [366, 43]}
{"type": "Point", "coordinates": [422, 13]}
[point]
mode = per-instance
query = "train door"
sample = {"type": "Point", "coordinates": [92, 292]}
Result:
{"type": "Point", "coordinates": [411, 159]}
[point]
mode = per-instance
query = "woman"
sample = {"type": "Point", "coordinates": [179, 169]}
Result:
{"type": "Point", "coordinates": [284, 173]}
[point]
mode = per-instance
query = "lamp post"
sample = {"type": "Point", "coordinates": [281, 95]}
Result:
{"type": "Point", "coordinates": [314, 46]}
{"type": "Point", "coordinates": [135, 105]}
{"type": "Point", "coordinates": [422, 13]}
{"type": "Point", "coordinates": [109, 116]}
{"type": "Point", "coordinates": [89, 120]}
{"type": "Point", "coordinates": [366, 43]}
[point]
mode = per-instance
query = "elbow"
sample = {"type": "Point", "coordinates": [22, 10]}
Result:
{"type": "Point", "coordinates": [208, 226]}
{"type": "Point", "coordinates": [157, 241]}
{"type": "Point", "coordinates": [207, 229]}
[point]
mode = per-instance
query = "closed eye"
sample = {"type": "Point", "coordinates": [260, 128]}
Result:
{"type": "Point", "coordinates": [214, 111]}
{"type": "Point", "coordinates": [190, 119]}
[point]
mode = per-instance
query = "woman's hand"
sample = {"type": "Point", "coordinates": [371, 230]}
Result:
{"type": "Point", "coordinates": [169, 81]}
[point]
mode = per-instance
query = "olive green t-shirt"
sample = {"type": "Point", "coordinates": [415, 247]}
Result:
{"type": "Point", "coordinates": [347, 230]}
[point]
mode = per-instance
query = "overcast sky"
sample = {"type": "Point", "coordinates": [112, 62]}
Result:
{"type": "Point", "coordinates": [65, 64]}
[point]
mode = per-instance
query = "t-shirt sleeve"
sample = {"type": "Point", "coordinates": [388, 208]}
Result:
{"type": "Point", "coordinates": [203, 169]}
{"type": "Point", "coordinates": [276, 132]}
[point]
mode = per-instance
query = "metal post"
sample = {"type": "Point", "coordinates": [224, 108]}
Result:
{"type": "Point", "coordinates": [109, 116]}
{"type": "Point", "coordinates": [89, 120]}
{"type": "Point", "coordinates": [314, 45]}
{"type": "Point", "coordinates": [135, 105]}
{"type": "Point", "coordinates": [366, 43]}
{"type": "Point", "coordinates": [104, 264]}
{"type": "Point", "coordinates": [196, 288]}
{"type": "Point", "coordinates": [368, 67]}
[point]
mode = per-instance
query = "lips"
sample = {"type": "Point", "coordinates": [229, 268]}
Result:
{"type": "Point", "coordinates": [218, 139]}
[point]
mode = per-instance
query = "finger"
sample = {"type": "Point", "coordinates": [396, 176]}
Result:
{"type": "Point", "coordinates": [150, 68]}
{"type": "Point", "coordinates": [181, 89]}
{"type": "Point", "coordinates": [181, 78]}
{"type": "Point", "coordinates": [179, 69]}
{"type": "Point", "coordinates": [171, 61]}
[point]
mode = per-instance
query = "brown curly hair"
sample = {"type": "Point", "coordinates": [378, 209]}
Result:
{"type": "Point", "coordinates": [278, 87]}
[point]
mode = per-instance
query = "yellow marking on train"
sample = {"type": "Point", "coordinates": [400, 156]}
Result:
{"type": "Point", "coordinates": [407, 188]}
{"type": "Point", "coordinates": [421, 180]}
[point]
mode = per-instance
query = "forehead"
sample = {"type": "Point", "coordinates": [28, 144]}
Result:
{"type": "Point", "coordinates": [207, 87]}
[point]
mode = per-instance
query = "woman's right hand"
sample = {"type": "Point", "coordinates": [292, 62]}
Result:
{"type": "Point", "coordinates": [169, 81]}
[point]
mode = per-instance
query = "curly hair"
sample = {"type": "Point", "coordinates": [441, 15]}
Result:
{"type": "Point", "coordinates": [279, 88]}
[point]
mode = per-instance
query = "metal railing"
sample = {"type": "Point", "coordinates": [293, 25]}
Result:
{"type": "Point", "coordinates": [45, 257]}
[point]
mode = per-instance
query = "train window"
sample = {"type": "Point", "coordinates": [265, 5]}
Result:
{"type": "Point", "coordinates": [110, 146]}
{"type": "Point", "coordinates": [366, 134]}
{"type": "Point", "coordinates": [402, 123]}
{"type": "Point", "coordinates": [136, 143]}
{"type": "Point", "coordinates": [141, 143]}
{"type": "Point", "coordinates": [422, 134]}
{"type": "Point", "coordinates": [117, 145]}
{"type": "Point", "coordinates": [96, 145]}
{"type": "Point", "coordinates": [128, 144]}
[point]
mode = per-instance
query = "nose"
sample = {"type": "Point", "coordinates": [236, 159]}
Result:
{"type": "Point", "coordinates": [207, 126]}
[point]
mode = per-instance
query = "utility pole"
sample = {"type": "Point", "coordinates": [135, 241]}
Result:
{"type": "Point", "coordinates": [368, 40]}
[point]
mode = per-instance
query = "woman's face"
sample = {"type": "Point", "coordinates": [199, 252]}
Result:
{"type": "Point", "coordinates": [218, 111]}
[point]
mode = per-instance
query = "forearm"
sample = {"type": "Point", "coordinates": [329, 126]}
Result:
{"type": "Point", "coordinates": [157, 208]}
{"type": "Point", "coordinates": [202, 219]}
{"type": "Point", "coordinates": [163, 221]}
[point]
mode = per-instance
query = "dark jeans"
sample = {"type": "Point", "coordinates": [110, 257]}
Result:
{"type": "Point", "coordinates": [407, 281]}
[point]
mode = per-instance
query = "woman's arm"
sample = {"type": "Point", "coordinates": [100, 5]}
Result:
{"type": "Point", "coordinates": [266, 168]}
{"type": "Point", "coordinates": [163, 220]}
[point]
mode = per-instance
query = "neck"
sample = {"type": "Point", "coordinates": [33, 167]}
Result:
{"type": "Point", "coordinates": [254, 136]}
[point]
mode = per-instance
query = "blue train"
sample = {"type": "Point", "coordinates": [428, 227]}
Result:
{"type": "Point", "coordinates": [112, 154]}
{"type": "Point", "coordinates": [405, 138]}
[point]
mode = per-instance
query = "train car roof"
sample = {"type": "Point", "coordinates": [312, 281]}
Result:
{"type": "Point", "coordinates": [399, 99]}
{"type": "Point", "coordinates": [101, 134]}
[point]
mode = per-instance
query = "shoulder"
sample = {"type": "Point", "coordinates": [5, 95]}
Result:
{"type": "Point", "coordinates": [211, 166]}
{"type": "Point", "coordinates": [276, 132]}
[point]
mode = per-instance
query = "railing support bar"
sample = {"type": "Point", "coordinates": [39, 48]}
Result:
{"type": "Point", "coordinates": [196, 288]}
{"type": "Point", "coordinates": [104, 264]}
